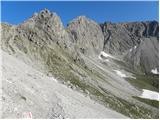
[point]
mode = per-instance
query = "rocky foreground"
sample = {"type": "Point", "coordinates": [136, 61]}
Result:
{"type": "Point", "coordinates": [87, 70]}
{"type": "Point", "coordinates": [43, 96]}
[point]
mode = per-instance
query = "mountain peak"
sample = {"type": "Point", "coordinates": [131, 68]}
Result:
{"type": "Point", "coordinates": [44, 14]}
{"type": "Point", "coordinates": [82, 17]}
{"type": "Point", "coordinates": [81, 20]}
{"type": "Point", "coordinates": [87, 34]}
{"type": "Point", "coordinates": [44, 20]}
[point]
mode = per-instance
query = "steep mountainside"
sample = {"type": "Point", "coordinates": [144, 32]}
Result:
{"type": "Point", "coordinates": [99, 61]}
{"type": "Point", "coordinates": [145, 56]}
{"type": "Point", "coordinates": [24, 89]}
{"type": "Point", "coordinates": [138, 39]}
{"type": "Point", "coordinates": [87, 35]}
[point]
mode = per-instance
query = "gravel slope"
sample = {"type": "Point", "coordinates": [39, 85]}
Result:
{"type": "Point", "coordinates": [27, 90]}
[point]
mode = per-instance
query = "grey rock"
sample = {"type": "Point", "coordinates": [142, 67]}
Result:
{"type": "Point", "coordinates": [117, 38]}
{"type": "Point", "coordinates": [143, 29]}
{"type": "Point", "coordinates": [44, 30]}
{"type": "Point", "coordinates": [45, 25]}
{"type": "Point", "coordinates": [145, 56]}
{"type": "Point", "coordinates": [121, 38]}
{"type": "Point", "coordinates": [87, 35]}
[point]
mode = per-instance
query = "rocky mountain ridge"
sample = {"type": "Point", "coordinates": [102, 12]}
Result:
{"type": "Point", "coordinates": [89, 57]}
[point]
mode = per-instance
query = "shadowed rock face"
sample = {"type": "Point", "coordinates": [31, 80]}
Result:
{"type": "Point", "coordinates": [143, 29]}
{"type": "Point", "coordinates": [117, 39]}
{"type": "Point", "coordinates": [138, 39]}
{"type": "Point", "coordinates": [120, 37]}
{"type": "Point", "coordinates": [145, 57]}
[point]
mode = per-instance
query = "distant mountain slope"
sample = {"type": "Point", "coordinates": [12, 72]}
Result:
{"type": "Point", "coordinates": [126, 37]}
{"type": "Point", "coordinates": [145, 56]}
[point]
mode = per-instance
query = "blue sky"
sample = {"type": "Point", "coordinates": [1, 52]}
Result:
{"type": "Point", "coordinates": [17, 12]}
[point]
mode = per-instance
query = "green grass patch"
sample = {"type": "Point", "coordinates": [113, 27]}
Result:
{"type": "Point", "coordinates": [150, 82]}
{"type": "Point", "coordinates": [153, 103]}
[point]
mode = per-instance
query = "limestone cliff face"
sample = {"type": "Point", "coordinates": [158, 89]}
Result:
{"type": "Point", "coordinates": [120, 37]}
{"type": "Point", "coordinates": [117, 38]}
{"type": "Point", "coordinates": [87, 35]}
{"type": "Point", "coordinates": [144, 57]}
{"type": "Point", "coordinates": [138, 39]}
{"type": "Point", "coordinates": [45, 27]}
{"type": "Point", "coordinates": [143, 29]}
{"type": "Point", "coordinates": [41, 41]}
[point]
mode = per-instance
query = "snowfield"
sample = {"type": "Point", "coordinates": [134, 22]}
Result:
{"type": "Point", "coordinates": [154, 71]}
{"type": "Point", "coordinates": [27, 91]}
{"type": "Point", "coordinates": [120, 73]}
{"type": "Point", "coordinates": [152, 95]}
{"type": "Point", "coordinates": [123, 75]}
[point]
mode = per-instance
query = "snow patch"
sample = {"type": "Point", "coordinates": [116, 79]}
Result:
{"type": "Point", "coordinates": [155, 71]}
{"type": "Point", "coordinates": [152, 95]}
{"type": "Point", "coordinates": [135, 47]}
{"type": "Point", "coordinates": [106, 54]}
{"type": "Point", "coordinates": [120, 73]}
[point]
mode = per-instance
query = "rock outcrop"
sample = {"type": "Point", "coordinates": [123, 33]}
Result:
{"type": "Point", "coordinates": [87, 35]}
{"type": "Point", "coordinates": [143, 29]}
{"type": "Point", "coordinates": [144, 57]}
{"type": "Point", "coordinates": [120, 37]}
{"type": "Point", "coordinates": [117, 38]}
{"type": "Point", "coordinates": [126, 37]}
{"type": "Point", "coordinates": [39, 38]}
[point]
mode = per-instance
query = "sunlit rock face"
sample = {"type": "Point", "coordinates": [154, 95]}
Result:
{"type": "Point", "coordinates": [87, 35]}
